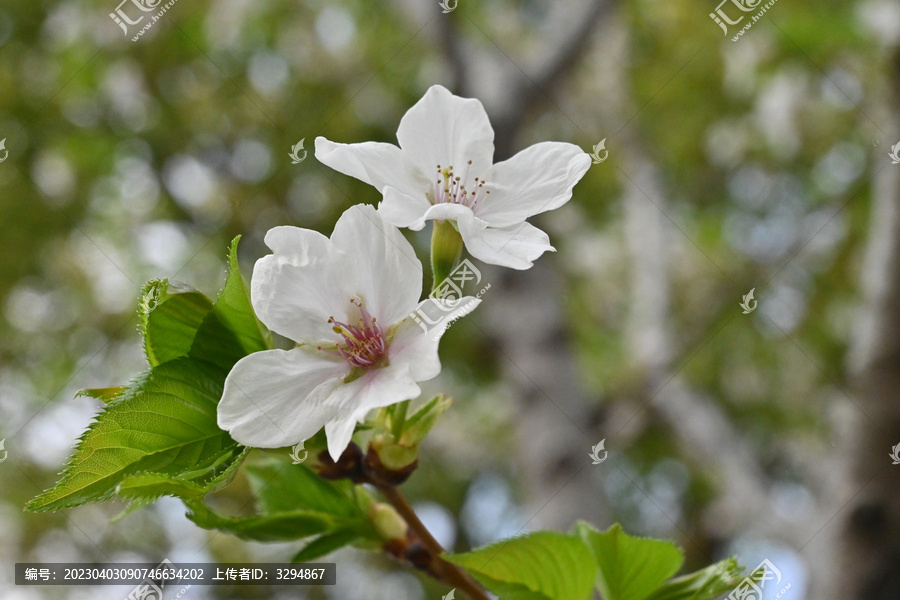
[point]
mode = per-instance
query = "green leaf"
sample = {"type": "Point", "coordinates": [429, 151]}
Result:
{"type": "Point", "coordinates": [149, 486]}
{"type": "Point", "coordinates": [711, 582]}
{"type": "Point", "coordinates": [230, 330]}
{"type": "Point", "coordinates": [629, 568]}
{"type": "Point", "coordinates": [164, 423]}
{"type": "Point", "coordinates": [292, 503]}
{"type": "Point", "coordinates": [279, 527]}
{"type": "Point", "coordinates": [160, 435]}
{"type": "Point", "coordinates": [545, 565]}
{"type": "Point", "coordinates": [133, 506]}
{"type": "Point", "coordinates": [234, 310]}
{"type": "Point", "coordinates": [105, 395]}
{"type": "Point", "coordinates": [190, 484]}
{"type": "Point", "coordinates": [283, 487]}
{"type": "Point", "coordinates": [171, 314]}
{"type": "Point", "coordinates": [326, 544]}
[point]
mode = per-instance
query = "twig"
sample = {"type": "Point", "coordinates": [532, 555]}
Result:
{"type": "Point", "coordinates": [439, 568]}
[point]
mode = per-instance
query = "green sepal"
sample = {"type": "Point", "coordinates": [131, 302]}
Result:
{"type": "Point", "coordinates": [446, 248]}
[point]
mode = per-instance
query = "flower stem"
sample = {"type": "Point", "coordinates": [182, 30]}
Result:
{"type": "Point", "coordinates": [439, 568]}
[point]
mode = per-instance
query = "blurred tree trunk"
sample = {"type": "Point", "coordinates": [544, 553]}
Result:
{"type": "Point", "coordinates": [557, 423]}
{"type": "Point", "coordinates": [869, 556]}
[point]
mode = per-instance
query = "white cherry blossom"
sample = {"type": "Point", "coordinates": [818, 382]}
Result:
{"type": "Point", "coordinates": [347, 302]}
{"type": "Point", "coordinates": [443, 169]}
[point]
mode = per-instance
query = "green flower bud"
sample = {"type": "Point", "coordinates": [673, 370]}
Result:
{"type": "Point", "coordinates": [388, 523]}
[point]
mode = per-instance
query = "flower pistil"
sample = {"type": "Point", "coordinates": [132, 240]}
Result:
{"type": "Point", "coordinates": [451, 189]}
{"type": "Point", "coordinates": [364, 344]}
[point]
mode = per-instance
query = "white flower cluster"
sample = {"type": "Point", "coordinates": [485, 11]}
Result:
{"type": "Point", "coordinates": [347, 300]}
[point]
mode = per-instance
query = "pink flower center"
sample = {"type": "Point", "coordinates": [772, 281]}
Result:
{"type": "Point", "coordinates": [364, 345]}
{"type": "Point", "coordinates": [450, 188]}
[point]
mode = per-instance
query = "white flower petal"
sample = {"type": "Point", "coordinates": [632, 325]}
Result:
{"type": "Point", "coordinates": [339, 432]}
{"type": "Point", "coordinates": [417, 344]}
{"type": "Point", "coordinates": [515, 247]}
{"type": "Point", "coordinates": [375, 389]}
{"type": "Point", "coordinates": [440, 212]}
{"type": "Point", "coordinates": [403, 210]}
{"type": "Point", "coordinates": [277, 398]}
{"type": "Point", "coordinates": [443, 129]}
{"type": "Point", "coordinates": [537, 179]}
{"type": "Point", "coordinates": [450, 212]}
{"type": "Point", "coordinates": [297, 289]}
{"type": "Point", "coordinates": [375, 163]}
{"type": "Point", "coordinates": [382, 265]}
{"type": "Point", "coordinates": [297, 246]}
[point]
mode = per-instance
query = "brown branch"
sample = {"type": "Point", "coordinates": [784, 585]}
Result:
{"type": "Point", "coordinates": [438, 568]}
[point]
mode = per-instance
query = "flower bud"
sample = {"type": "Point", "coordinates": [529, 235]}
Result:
{"type": "Point", "coordinates": [417, 427]}
{"type": "Point", "coordinates": [391, 455]}
{"type": "Point", "coordinates": [388, 523]}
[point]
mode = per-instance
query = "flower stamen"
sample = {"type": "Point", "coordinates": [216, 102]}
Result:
{"type": "Point", "coordinates": [364, 344]}
{"type": "Point", "coordinates": [450, 188]}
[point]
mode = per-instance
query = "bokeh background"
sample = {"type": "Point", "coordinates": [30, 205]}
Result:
{"type": "Point", "coordinates": [762, 163]}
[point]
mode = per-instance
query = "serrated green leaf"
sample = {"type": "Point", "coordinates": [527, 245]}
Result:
{"type": "Point", "coordinates": [278, 527]}
{"type": "Point", "coordinates": [629, 568]}
{"type": "Point", "coordinates": [150, 486]}
{"type": "Point", "coordinates": [282, 487]}
{"type": "Point", "coordinates": [160, 435]}
{"type": "Point", "coordinates": [171, 314]}
{"type": "Point", "coordinates": [105, 395]}
{"type": "Point", "coordinates": [195, 483]}
{"type": "Point", "coordinates": [292, 503]}
{"type": "Point", "coordinates": [216, 344]}
{"type": "Point", "coordinates": [165, 423]}
{"type": "Point", "coordinates": [234, 310]}
{"type": "Point", "coordinates": [230, 330]}
{"type": "Point", "coordinates": [326, 544]}
{"type": "Point", "coordinates": [133, 506]}
{"type": "Point", "coordinates": [545, 565]}
{"type": "Point", "coordinates": [711, 582]}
